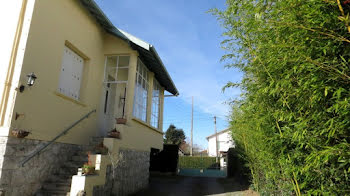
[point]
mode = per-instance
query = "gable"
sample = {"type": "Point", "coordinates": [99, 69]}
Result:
{"type": "Point", "coordinates": [148, 53]}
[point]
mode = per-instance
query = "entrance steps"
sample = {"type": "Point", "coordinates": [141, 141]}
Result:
{"type": "Point", "coordinates": [59, 183]}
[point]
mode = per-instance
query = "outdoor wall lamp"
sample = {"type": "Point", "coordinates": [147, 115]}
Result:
{"type": "Point", "coordinates": [31, 79]}
{"type": "Point", "coordinates": [30, 82]}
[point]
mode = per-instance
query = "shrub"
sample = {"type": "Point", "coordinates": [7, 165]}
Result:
{"type": "Point", "coordinates": [197, 162]}
{"type": "Point", "coordinates": [293, 118]}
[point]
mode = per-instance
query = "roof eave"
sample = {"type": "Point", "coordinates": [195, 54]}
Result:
{"type": "Point", "coordinates": [218, 133]}
{"type": "Point", "coordinates": [95, 11]}
{"type": "Point", "coordinates": [155, 53]}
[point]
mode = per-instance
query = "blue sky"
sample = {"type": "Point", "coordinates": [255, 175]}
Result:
{"type": "Point", "coordinates": [187, 38]}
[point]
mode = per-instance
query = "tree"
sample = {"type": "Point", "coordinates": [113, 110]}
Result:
{"type": "Point", "coordinates": [186, 147]}
{"type": "Point", "coordinates": [174, 135]}
{"type": "Point", "coordinates": [292, 121]}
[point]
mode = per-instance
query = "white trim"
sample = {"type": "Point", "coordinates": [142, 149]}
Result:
{"type": "Point", "coordinates": [136, 40]}
{"type": "Point", "coordinates": [105, 75]}
{"type": "Point", "coordinates": [7, 112]}
{"type": "Point", "coordinates": [140, 105]}
{"type": "Point", "coordinates": [104, 72]}
{"type": "Point", "coordinates": [155, 115]}
{"type": "Point", "coordinates": [4, 131]}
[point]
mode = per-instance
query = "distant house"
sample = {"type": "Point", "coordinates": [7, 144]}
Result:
{"type": "Point", "coordinates": [61, 62]}
{"type": "Point", "coordinates": [224, 142]}
{"type": "Point", "coordinates": [183, 149]}
{"type": "Point", "coordinates": [181, 152]}
{"type": "Point", "coordinates": [204, 153]}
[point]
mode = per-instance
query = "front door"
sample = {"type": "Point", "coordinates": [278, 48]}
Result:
{"type": "Point", "coordinates": [107, 118]}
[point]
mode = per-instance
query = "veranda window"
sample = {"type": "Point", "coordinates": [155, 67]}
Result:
{"type": "Point", "coordinates": [141, 92]}
{"type": "Point", "coordinates": [155, 104]}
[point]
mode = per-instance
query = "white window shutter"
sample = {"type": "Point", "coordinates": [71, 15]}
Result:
{"type": "Point", "coordinates": [71, 74]}
{"type": "Point", "coordinates": [65, 70]}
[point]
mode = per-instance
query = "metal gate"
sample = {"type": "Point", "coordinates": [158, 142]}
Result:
{"type": "Point", "coordinates": [200, 167]}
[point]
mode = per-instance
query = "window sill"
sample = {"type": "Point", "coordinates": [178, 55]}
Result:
{"type": "Point", "coordinates": [69, 99]}
{"type": "Point", "coordinates": [147, 125]}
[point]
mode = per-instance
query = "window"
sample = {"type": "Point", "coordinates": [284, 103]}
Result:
{"type": "Point", "coordinates": [155, 104]}
{"type": "Point", "coordinates": [141, 92]}
{"type": "Point", "coordinates": [116, 69]}
{"type": "Point", "coordinates": [71, 74]}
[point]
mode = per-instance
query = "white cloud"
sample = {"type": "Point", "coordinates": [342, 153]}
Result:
{"type": "Point", "coordinates": [207, 95]}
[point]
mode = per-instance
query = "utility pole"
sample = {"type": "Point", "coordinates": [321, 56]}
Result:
{"type": "Point", "coordinates": [216, 141]}
{"type": "Point", "coordinates": [192, 129]}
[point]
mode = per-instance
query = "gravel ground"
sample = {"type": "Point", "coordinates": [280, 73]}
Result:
{"type": "Point", "coordinates": [168, 185]}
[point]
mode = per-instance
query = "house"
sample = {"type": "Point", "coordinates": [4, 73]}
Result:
{"type": "Point", "coordinates": [66, 74]}
{"type": "Point", "coordinates": [224, 142]}
{"type": "Point", "coordinates": [184, 149]}
{"type": "Point", "coordinates": [204, 153]}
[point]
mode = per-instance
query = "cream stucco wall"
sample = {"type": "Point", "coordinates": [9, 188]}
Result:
{"type": "Point", "coordinates": [44, 112]}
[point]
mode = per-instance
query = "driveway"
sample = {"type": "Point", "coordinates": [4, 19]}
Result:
{"type": "Point", "coordinates": [182, 186]}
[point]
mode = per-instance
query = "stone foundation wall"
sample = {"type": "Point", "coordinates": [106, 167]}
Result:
{"type": "Point", "coordinates": [130, 175]}
{"type": "Point", "coordinates": [16, 180]}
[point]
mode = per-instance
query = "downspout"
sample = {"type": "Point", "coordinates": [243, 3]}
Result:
{"type": "Point", "coordinates": [11, 67]}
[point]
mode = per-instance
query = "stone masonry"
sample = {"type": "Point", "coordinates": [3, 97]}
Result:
{"type": "Point", "coordinates": [16, 180]}
{"type": "Point", "coordinates": [130, 175]}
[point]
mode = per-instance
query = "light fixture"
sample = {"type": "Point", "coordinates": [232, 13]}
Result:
{"type": "Point", "coordinates": [21, 88]}
{"type": "Point", "coordinates": [31, 79]}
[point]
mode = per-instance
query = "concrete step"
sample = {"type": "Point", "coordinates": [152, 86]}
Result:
{"type": "Point", "coordinates": [63, 171]}
{"type": "Point", "coordinates": [59, 179]}
{"type": "Point", "coordinates": [71, 170]}
{"type": "Point", "coordinates": [75, 164]}
{"type": "Point", "coordinates": [56, 187]}
{"type": "Point", "coordinates": [95, 140]}
{"type": "Point", "coordinates": [66, 171]}
{"type": "Point", "coordinates": [83, 152]}
{"type": "Point", "coordinates": [79, 158]}
{"type": "Point", "coordinates": [52, 193]}
{"type": "Point", "coordinates": [59, 183]}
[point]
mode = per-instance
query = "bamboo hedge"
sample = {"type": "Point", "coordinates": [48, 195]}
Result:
{"type": "Point", "coordinates": [292, 121]}
{"type": "Point", "coordinates": [196, 162]}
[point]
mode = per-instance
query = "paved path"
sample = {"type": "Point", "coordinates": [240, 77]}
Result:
{"type": "Point", "coordinates": [183, 186]}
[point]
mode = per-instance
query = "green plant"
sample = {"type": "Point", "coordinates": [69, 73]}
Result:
{"type": "Point", "coordinates": [292, 120]}
{"type": "Point", "coordinates": [88, 168]}
{"type": "Point", "coordinates": [196, 162]}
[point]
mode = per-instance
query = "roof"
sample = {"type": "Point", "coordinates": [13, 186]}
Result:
{"type": "Point", "coordinates": [148, 53]}
{"type": "Point", "coordinates": [181, 151]}
{"type": "Point", "coordinates": [218, 133]}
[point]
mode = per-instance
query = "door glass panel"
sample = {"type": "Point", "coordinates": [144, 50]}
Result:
{"type": "Point", "coordinates": [116, 69]}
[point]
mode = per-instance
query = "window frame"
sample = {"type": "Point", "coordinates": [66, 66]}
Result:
{"type": "Point", "coordinates": [155, 115]}
{"type": "Point", "coordinates": [117, 67]}
{"type": "Point", "coordinates": [141, 94]}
